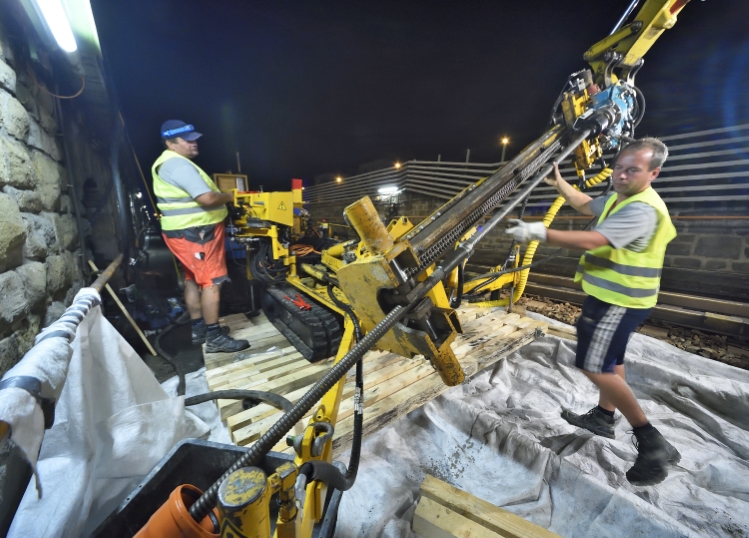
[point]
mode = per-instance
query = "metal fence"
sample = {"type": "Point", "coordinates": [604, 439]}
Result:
{"type": "Point", "coordinates": [705, 170]}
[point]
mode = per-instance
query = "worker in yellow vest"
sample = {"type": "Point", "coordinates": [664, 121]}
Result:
{"type": "Point", "coordinates": [620, 271]}
{"type": "Point", "coordinates": [192, 224]}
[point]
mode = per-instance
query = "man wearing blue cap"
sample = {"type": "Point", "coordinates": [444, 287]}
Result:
{"type": "Point", "coordinates": [192, 224]}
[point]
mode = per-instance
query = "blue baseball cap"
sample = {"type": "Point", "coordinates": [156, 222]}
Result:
{"type": "Point", "coordinates": [174, 128]}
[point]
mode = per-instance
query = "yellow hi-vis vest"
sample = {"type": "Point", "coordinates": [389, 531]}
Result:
{"type": "Point", "coordinates": [622, 277]}
{"type": "Point", "coordinates": [179, 210]}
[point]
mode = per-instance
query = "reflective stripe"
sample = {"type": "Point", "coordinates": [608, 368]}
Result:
{"type": "Point", "coordinates": [629, 270]}
{"type": "Point", "coordinates": [618, 288]}
{"type": "Point", "coordinates": [186, 211]}
{"type": "Point", "coordinates": [173, 200]}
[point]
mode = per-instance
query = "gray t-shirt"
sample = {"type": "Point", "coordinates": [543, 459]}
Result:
{"type": "Point", "coordinates": [631, 227]}
{"type": "Point", "coordinates": [182, 174]}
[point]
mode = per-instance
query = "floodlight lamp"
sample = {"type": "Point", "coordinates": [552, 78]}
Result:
{"type": "Point", "coordinates": [57, 22]}
{"type": "Point", "coordinates": [397, 165]}
{"type": "Point", "coordinates": [388, 190]}
{"type": "Point", "coordinates": [505, 141]}
{"type": "Point", "coordinates": [339, 179]}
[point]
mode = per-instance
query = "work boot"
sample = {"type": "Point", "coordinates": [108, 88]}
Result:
{"type": "Point", "coordinates": [593, 421]}
{"type": "Point", "coordinates": [220, 342]}
{"type": "Point", "coordinates": [654, 454]}
{"type": "Point", "coordinates": [199, 331]}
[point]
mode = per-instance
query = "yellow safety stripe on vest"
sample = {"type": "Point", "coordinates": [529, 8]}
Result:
{"type": "Point", "coordinates": [174, 200]}
{"type": "Point", "coordinates": [187, 211]}
{"type": "Point", "coordinates": [629, 270]}
{"type": "Point", "coordinates": [619, 288]}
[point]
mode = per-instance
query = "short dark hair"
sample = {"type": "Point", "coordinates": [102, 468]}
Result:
{"type": "Point", "coordinates": [659, 149]}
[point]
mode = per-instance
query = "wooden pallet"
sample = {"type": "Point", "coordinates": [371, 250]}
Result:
{"type": "Point", "coordinates": [393, 385]}
{"type": "Point", "coordinates": [445, 511]}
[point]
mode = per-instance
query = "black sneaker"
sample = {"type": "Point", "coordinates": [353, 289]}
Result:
{"type": "Point", "coordinates": [654, 454]}
{"type": "Point", "coordinates": [198, 333]}
{"type": "Point", "coordinates": [223, 343]}
{"type": "Point", "coordinates": [593, 421]}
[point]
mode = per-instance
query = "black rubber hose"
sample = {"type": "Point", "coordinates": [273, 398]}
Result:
{"type": "Point", "coordinates": [327, 473]}
{"type": "Point", "coordinates": [276, 432]}
{"type": "Point", "coordinates": [455, 301]}
{"type": "Point", "coordinates": [276, 400]}
{"type": "Point", "coordinates": [355, 456]}
{"type": "Point", "coordinates": [170, 359]}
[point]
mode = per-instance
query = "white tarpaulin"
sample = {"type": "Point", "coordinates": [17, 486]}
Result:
{"type": "Point", "coordinates": [501, 438]}
{"type": "Point", "coordinates": [113, 423]}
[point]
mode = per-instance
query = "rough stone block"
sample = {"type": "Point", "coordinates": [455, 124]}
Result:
{"type": "Point", "coordinates": [54, 311]}
{"type": "Point", "coordinates": [12, 233]}
{"type": "Point", "coordinates": [67, 232]}
{"type": "Point", "coordinates": [15, 169]}
{"type": "Point", "coordinates": [26, 334]}
{"type": "Point", "coordinates": [34, 277]}
{"type": "Point", "coordinates": [47, 121]}
{"type": "Point", "coordinates": [9, 354]}
{"type": "Point", "coordinates": [60, 269]}
{"type": "Point", "coordinates": [24, 95]}
{"type": "Point", "coordinates": [688, 263]}
{"type": "Point", "coordinates": [14, 116]}
{"type": "Point", "coordinates": [47, 175]}
{"type": "Point", "coordinates": [66, 204]}
{"type": "Point", "coordinates": [42, 140]}
{"type": "Point", "coordinates": [41, 236]}
{"type": "Point", "coordinates": [684, 238]}
{"type": "Point", "coordinates": [72, 292]}
{"type": "Point", "coordinates": [15, 306]}
{"type": "Point", "coordinates": [679, 249]}
{"type": "Point", "coordinates": [28, 201]}
{"type": "Point", "coordinates": [7, 77]}
{"type": "Point", "coordinates": [719, 246]}
{"type": "Point", "coordinates": [740, 267]}
{"type": "Point", "coordinates": [716, 265]}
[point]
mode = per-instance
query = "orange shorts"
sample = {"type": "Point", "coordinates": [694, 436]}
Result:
{"type": "Point", "coordinates": [201, 252]}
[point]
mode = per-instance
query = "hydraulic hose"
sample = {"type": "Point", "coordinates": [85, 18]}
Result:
{"type": "Point", "coordinates": [268, 440]}
{"type": "Point", "coordinates": [530, 251]}
{"type": "Point", "coordinates": [354, 457]}
{"type": "Point", "coordinates": [276, 400]}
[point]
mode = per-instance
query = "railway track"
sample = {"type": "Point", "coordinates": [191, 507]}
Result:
{"type": "Point", "coordinates": [719, 316]}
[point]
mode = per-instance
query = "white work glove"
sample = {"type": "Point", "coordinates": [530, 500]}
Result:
{"type": "Point", "coordinates": [525, 232]}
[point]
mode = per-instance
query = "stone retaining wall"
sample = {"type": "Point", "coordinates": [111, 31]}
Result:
{"type": "Point", "coordinates": [40, 268]}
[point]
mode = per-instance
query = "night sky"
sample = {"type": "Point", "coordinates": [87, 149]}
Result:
{"type": "Point", "coordinates": [306, 88]}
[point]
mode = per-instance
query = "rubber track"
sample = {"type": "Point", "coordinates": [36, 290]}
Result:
{"type": "Point", "coordinates": [321, 331]}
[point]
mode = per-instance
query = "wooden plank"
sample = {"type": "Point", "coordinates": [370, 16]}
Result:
{"type": "Point", "coordinates": [570, 333]}
{"type": "Point", "coordinates": [373, 394]}
{"type": "Point", "coordinates": [436, 521]}
{"type": "Point", "coordinates": [417, 394]}
{"type": "Point", "coordinates": [488, 516]}
{"type": "Point", "coordinates": [280, 383]}
{"type": "Point", "coordinates": [373, 361]}
{"type": "Point", "coordinates": [393, 385]}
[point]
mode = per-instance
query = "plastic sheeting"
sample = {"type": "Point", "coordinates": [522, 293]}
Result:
{"type": "Point", "coordinates": [501, 438]}
{"type": "Point", "coordinates": [113, 423]}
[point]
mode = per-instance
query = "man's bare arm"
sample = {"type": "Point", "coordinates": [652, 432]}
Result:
{"type": "Point", "coordinates": [583, 240]}
{"type": "Point", "coordinates": [579, 200]}
{"type": "Point", "coordinates": [210, 199]}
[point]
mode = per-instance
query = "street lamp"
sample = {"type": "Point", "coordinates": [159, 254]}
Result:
{"type": "Point", "coordinates": [504, 141]}
{"type": "Point", "coordinates": [397, 165]}
{"type": "Point", "coordinates": [338, 179]}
